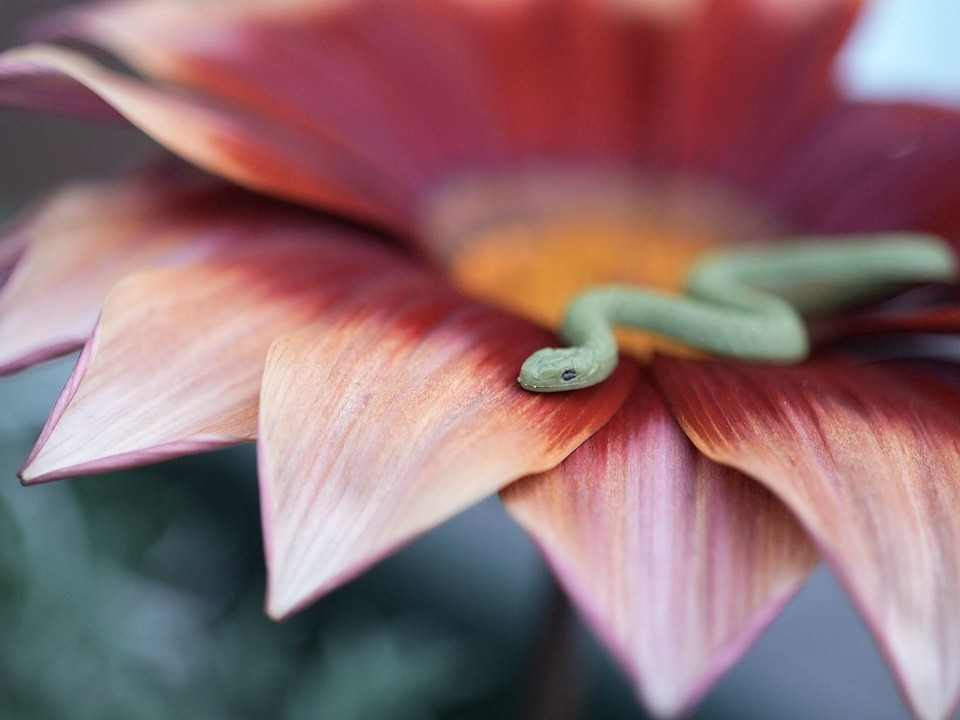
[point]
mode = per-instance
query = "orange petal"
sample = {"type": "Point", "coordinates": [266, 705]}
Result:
{"type": "Point", "coordinates": [227, 141]}
{"type": "Point", "coordinates": [175, 363]}
{"type": "Point", "coordinates": [390, 415]}
{"type": "Point", "coordinates": [83, 240]}
{"type": "Point", "coordinates": [678, 562]}
{"type": "Point", "coordinates": [867, 458]}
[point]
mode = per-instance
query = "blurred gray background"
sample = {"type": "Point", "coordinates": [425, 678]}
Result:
{"type": "Point", "coordinates": [36, 151]}
{"type": "Point", "coordinates": [466, 599]}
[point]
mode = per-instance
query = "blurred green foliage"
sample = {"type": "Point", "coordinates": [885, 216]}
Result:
{"type": "Point", "coordinates": [138, 596]}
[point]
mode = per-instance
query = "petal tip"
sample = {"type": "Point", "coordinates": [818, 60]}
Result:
{"type": "Point", "coordinates": [40, 467]}
{"type": "Point", "coordinates": [286, 597]}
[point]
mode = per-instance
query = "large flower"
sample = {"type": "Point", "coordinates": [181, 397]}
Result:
{"type": "Point", "coordinates": [401, 196]}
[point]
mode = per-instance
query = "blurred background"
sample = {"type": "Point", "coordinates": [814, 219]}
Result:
{"type": "Point", "coordinates": [139, 594]}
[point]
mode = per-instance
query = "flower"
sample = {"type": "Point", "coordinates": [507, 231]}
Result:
{"type": "Point", "coordinates": [401, 196]}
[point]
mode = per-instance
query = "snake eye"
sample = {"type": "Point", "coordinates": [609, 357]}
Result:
{"type": "Point", "coordinates": [569, 375]}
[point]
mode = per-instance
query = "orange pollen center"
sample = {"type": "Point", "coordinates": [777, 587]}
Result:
{"type": "Point", "coordinates": [528, 243]}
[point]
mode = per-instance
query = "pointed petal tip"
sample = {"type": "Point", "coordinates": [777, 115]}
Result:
{"type": "Point", "coordinates": [291, 590]}
{"type": "Point", "coordinates": [284, 600]}
{"type": "Point", "coordinates": [680, 702]}
{"type": "Point", "coordinates": [677, 563]}
{"type": "Point", "coordinates": [40, 467]}
{"type": "Point", "coordinates": [277, 610]}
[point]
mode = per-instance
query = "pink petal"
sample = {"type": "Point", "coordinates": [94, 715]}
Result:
{"type": "Point", "coordinates": [31, 84]}
{"type": "Point", "coordinates": [679, 563]}
{"type": "Point", "coordinates": [12, 244]}
{"type": "Point", "coordinates": [391, 414]}
{"type": "Point", "coordinates": [423, 84]}
{"type": "Point", "coordinates": [81, 241]}
{"type": "Point", "coordinates": [867, 458]}
{"type": "Point", "coordinates": [867, 168]}
{"type": "Point", "coordinates": [175, 363]}
{"type": "Point", "coordinates": [228, 142]}
{"type": "Point", "coordinates": [393, 82]}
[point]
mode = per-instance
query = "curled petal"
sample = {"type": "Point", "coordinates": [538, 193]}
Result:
{"type": "Point", "coordinates": [391, 414]}
{"type": "Point", "coordinates": [24, 83]}
{"type": "Point", "coordinates": [678, 562]}
{"type": "Point", "coordinates": [228, 142]}
{"type": "Point", "coordinates": [867, 458]}
{"type": "Point", "coordinates": [396, 83]}
{"type": "Point", "coordinates": [174, 365]}
{"type": "Point", "coordinates": [416, 92]}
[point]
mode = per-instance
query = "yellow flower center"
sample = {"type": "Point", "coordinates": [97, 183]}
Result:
{"type": "Point", "coordinates": [528, 243]}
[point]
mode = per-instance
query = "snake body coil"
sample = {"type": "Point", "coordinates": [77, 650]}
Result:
{"type": "Point", "coordinates": [744, 304]}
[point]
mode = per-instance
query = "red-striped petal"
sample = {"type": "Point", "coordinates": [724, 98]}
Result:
{"type": "Point", "coordinates": [679, 563]}
{"type": "Point", "coordinates": [396, 83]}
{"type": "Point", "coordinates": [227, 141]}
{"type": "Point", "coordinates": [391, 414]}
{"type": "Point", "coordinates": [77, 244]}
{"type": "Point", "coordinates": [746, 80]}
{"type": "Point", "coordinates": [175, 363]}
{"type": "Point", "coordinates": [868, 459]}
{"type": "Point", "coordinates": [418, 92]}
{"type": "Point", "coordinates": [900, 322]}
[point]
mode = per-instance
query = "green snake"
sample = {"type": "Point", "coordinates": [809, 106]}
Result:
{"type": "Point", "coordinates": [743, 303]}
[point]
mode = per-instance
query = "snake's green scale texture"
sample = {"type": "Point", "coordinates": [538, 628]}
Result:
{"type": "Point", "coordinates": [744, 303]}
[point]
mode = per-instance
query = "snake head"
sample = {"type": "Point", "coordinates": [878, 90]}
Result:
{"type": "Point", "coordinates": [560, 369]}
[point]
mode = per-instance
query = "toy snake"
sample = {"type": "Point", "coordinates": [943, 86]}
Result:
{"type": "Point", "coordinates": [736, 303]}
